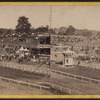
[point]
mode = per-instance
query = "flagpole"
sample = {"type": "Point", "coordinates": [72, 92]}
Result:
{"type": "Point", "coordinates": [50, 16]}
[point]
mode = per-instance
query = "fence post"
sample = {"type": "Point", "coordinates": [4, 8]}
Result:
{"type": "Point", "coordinates": [9, 81]}
{"type": "Point", "coordinates": [61, 73]}
{"type": "Point", "coordinates": [89, 80]}
{"type": "Point", "coordinates": [69, 91]}
{"type": "Point", "coordinates": [48, 71]}
{"type": "Point", "coordinates": [40, 87]}
{"type": "Point", "coordinates": [52, 85]}
{"type": "Point", "coordinates": [61, 89]}
{"type": "Point", "coordinates": [43, 72]}
{"type": "Point", "coordinates": [28, 85]}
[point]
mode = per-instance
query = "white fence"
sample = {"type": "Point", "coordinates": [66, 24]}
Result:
{"type": "Point", "coordinates": [31, 69]}
{"type": "Point", "coordinates": [54, 86]}
{"type": "Point", "coordinates": [91, 80]}
{"type": "Point", "coordinates": [23, 67]}
{"type": "Point", "coordinates": [23, 83]}
{"type": "Point", "coordinates": [65, 90]}
{"type": "Point", "coordinates": [90, 65]}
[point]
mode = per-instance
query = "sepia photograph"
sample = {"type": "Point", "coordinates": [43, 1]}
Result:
{"type": "Point", "coordinates": [25, 50]}
{"type": "Point", "coordinates": [49, 50]}
{"type": "Point", "coordinates": [75, 50]}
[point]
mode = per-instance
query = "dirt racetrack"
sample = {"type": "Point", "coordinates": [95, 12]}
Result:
{"type": "Point", "coordinates": [13, 89]}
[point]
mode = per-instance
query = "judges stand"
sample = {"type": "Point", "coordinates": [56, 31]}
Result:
{"type": "Point", "coordinates": [68, 58]}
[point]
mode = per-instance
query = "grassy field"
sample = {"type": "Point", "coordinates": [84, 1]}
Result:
{"type": "Point", "coordinates": [23, 75]}
{"type": "Point", "coordinates": [10, 41]}
{"type": "Point", "coordinates": [27, 66]}
{"type": "Point", "coordinates": [78, 70]}
{"type": "Point", "coordinates": [13, 89]}
{"type": "Point", "coordinates": [73, 84]}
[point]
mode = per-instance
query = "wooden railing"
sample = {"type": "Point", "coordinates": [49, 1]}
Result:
{"type": "Point", "coordinates": [82, 78]}
{"type": "Point", "coordinates": [51, 85]}
{"type": "Point", "coordinates": [23, 83]}
{"type": "Point", "coordinates": [90, 65]}
{"type": "Point", "coordinates": [23, 67]}
{"type": "Point", "coordinates": [64, 89]}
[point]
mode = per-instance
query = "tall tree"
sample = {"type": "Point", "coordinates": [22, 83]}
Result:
{"type": "Point", "coordinates": [56, 30]}
{"type": "Point", "coordinates": [23, 26]}
{"type": "Point", "coordinates": [62, 30]}
{"type": "Point", "coordinates": [70, 30]}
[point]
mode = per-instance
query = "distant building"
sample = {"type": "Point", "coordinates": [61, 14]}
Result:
{"type": "Point", "coordinates": [44, 44]}
{"type": "Point", "coordinates": [56, 52]}
{"type": "Point", "coordinates": [68, 58]}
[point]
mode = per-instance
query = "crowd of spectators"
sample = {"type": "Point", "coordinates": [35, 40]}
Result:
{"type": "Point", "coordinates": [13, 53]}
{"type": "Point", "coordinates": [59, 39]}
{"type": "Point", "coordinates": [89, 59]}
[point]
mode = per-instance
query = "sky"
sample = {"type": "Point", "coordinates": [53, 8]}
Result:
{"type": "Point", "coordinates": [81, 17]}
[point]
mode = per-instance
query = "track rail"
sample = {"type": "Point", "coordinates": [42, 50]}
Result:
{"type": "Point", "coordinates": [82, 78]}
{"type": "Point", "coordinates": [22, 75]}
{"type": "Point", "coordinates": [54, 86]}
{"type": "Point", "coordinates": [41, 85]}
{"type": "Point", "coordinates": [24, 67]}
{"type": "Point", "coordinates": [24, 83]}
{"type": "Point", "coordinates": [63, 89]}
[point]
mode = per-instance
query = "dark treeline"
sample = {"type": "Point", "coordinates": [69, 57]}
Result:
{"type": "Point", "coordinates": [24, 29]}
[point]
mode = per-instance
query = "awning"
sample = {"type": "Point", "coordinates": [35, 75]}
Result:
{"type": "Point", "coordinates": [68, 51]}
